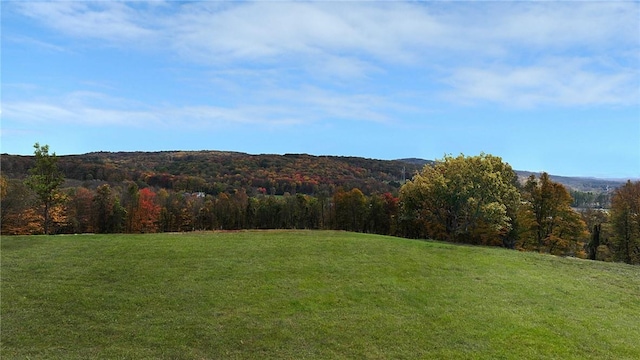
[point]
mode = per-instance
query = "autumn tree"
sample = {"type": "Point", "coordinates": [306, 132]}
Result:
{"type": "Point", "coordinates": [4, 183]}
{"type": "Point", "coordinates": [108, 216]}
{"type": "Point", "coordinates": [3, 186]}
{"type": "Point", "coordinates": [198, 213]}
{"type": "Point", "coordinates": [268, 212]}
{"type": "Point", "coordinates": [146, 212]}
{"type": "Point", "coordinates": [80, 210]}
{"type": "Point", "coordinates": [45, 179]}
{"type": "Point", "coordinates": [225, 212]}
{"type": "Point", "coordinates": [177, 211]}
{"type": "Point", "coordinates": [130, 202]}
{"type": "Point", "coordinates": [625, 221]}
{"type": "Point", "coordinates": [382, 214]}
{"type": "Point", "coordinates": [462, 199]}
{"type": "Point", "coordinates": [350, 210]}
{"type": "Point", "coordinates": [18, 213]}
{"type": "Point", "coordinates": [548, 222]}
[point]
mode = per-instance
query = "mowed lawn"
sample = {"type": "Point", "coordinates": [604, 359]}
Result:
{"type": "Point", "coordinates": [307, 295]}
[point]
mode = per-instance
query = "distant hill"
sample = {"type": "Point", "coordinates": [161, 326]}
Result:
{"type": "Point", "coordinates": [579, 183]}
{"type": "Point", "coordinates": [418, 162]}
{"type": "Point", "coordinates": [218, 171]}
{"type": "Point", "coordinates": [573, 183]}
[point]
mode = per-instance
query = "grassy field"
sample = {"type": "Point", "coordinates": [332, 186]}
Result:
{"type": "Point", "coordinates": [307, 294]}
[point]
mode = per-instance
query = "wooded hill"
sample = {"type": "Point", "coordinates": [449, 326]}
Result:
{"type": "Point", "coordinates": [213, 172]}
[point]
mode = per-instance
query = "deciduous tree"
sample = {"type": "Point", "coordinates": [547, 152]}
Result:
{"type": "Point", "coordinates": [80, 210]}
{"type": "Point", "coordinates": [462, 199]}
{"type": "Point", "coordinates": [130, 201]}
{"type": "Point", "coordinates": [18, 215]}
{"type": "Point", "coordinates": [548, 222]}
{"type": "Point", "coordinates": [350, 210]}
{"type": "Point", "coordinates": [3, 186]}
{"type": "Point", "coordinates": [44, 179]}
{"type": "Point", "coordinates": [597, 221]}
{"type": "Point", "coordinates": [625, 221]}
{"type": "Point", "coordinates": [108, 214]}
{"type": "Point", "coordinates": [382, 213]}
{"type": "Point", "coordinates": [146, 213]}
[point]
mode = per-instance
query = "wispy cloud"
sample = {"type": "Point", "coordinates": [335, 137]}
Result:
{"type": "Point", "coordinates": [35, 42]}
{"type": "Point", "coordinates": [387, 31]}
{"type": "Point", "coordinates": [483, 52]}
{"type": "Point", "coordinates": [47, 113]}
{"type": "Point", "coordinates": [267, 31]}
{"type": "Point", "coordinates": [270, 109]}
{"type": "Point", "coordinates": [560, 82]}
{"type": "Point", "coordinates": [106, 20]}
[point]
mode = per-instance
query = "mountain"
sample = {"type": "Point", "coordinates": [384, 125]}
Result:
{"type": "Point", "coordinates": [218, 171]}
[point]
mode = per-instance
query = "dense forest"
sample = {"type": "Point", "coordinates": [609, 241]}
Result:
{"type": "Point", "coordinates": [214, 172]}
{"type": "Point", "coordinates": [476, 200]}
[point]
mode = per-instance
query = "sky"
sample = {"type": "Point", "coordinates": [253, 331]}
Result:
{"type": "Point", "coordinates": [547, 86]}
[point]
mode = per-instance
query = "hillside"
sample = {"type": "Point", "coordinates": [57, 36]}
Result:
{"type": "Point", "coordinates": [217, 171]}
{"type": "Point", "coordinates": [307, 295]}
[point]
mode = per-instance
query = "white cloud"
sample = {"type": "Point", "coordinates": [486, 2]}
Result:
{"type": "Point", "coordinates": [570, 24]}
{"type": "Point", "coordinates": [105, 20]}
{"type": "Point", "coordinates": [561, 82]}
{"type": "Point", "coordinates": [316, 104]}
{"type": "Point", "coordinates": [342, 39]}
{"type": "Point", "coordinates": [268, 109]}
{"type": "Point", "coordinates": [484, 51]}
{"type": "Point", "coordinates": [387, 31]}
{"type": "Point", "coordinates": [72, 113]}
{"type": "Point", "coordinates": [37, 43]}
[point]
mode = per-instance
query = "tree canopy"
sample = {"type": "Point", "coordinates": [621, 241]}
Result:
{"type": "Point", "coordinates": [548, 222]}
{"type": "Point", "coordinates": [625, 219]}
{"type": "Point", "coordinates": [463, 199]}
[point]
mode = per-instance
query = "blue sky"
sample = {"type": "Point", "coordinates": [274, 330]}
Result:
{"type": "Point", "coordinates": [548, 86]}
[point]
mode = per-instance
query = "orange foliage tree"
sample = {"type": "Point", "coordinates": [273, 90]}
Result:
{"type": "Point", "coordinates": [146, 214]}
{"type": "Point", "coordinates": [19, 212]}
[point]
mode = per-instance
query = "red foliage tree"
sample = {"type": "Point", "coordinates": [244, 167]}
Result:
{"type": "Point", "coordinates": [147, 213]}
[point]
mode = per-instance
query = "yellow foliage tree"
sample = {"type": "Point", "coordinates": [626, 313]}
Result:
{"type": "Point", "coordinates": [548, 224]}
{"type": "Point", "coordinates": [462, 199]}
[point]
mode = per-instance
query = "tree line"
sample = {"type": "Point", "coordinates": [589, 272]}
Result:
{"type": "Point", "coordinates": [464, 199]}
{"type": "Point", "coordinates": [214, 172]}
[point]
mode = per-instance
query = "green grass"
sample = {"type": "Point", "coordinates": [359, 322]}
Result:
{"type": "Point", "coordinates": [307, 294]}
